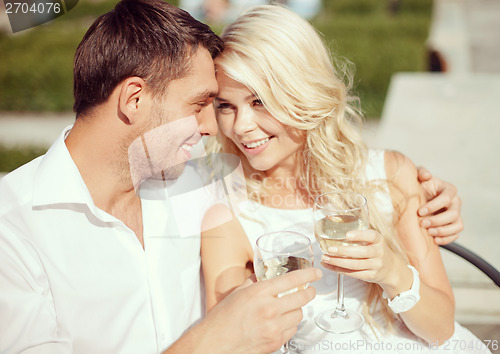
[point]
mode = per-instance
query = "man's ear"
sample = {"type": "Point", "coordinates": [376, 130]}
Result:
{"type": "Point", "coordinates": [130, 99]}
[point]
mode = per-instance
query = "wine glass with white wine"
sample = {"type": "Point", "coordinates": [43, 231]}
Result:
{"type": "Point", "coordinates": [335, 214]}
{"type": "Point", "coordinates": [277, 253]}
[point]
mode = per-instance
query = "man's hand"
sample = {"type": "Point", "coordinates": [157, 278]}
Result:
{"type": "Point", "coordinates": [253, 319]}
{"type": "Point", "coordinates": [441, 214]}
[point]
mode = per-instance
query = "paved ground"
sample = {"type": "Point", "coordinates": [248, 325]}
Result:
{"type": "Point", "coordinates": [483, 28]}
{"type": "Point", "coordinates": [37, 129]}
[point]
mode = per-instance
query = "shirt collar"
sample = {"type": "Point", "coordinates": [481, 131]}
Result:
{"type": "Point", "coordinates": [58, 180]}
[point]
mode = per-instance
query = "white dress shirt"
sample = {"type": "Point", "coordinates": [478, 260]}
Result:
{"type": "Point", "coordinates": [75, 279]}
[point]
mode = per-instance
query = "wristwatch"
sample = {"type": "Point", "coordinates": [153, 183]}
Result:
{"type": "Point", "coordinates": [407, 299]}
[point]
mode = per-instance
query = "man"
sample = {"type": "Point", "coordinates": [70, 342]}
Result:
{"type": "Point", "coordinates": [82, 268]}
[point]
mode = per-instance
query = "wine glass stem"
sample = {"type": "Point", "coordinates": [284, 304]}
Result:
{"type": "Point", "coordinates": [340, 310]}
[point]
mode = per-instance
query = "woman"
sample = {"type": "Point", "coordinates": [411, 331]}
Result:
{"type": "Point", "coordinates": [285, 111]}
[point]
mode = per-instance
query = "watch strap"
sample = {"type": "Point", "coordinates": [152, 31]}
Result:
{"type": "Point", "coordinates": [407, 299]}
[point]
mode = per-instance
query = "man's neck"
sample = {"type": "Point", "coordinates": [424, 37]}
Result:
{"type": "Point", "coordinates": [96, 151]}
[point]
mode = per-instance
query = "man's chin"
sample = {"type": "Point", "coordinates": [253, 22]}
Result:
{"type": "Point", "coordinates": [173, 172]}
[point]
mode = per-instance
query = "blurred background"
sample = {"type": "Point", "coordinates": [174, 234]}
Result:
{"type": "Point", "coordinates": [427, 73]}
{"type": "Point", "coordinates": [378, 37]}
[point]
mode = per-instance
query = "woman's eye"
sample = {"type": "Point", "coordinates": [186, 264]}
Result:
{"type": "Point", "coordinates": [257, 103]}
{"type": "Point", "coordinates": [224, 108]}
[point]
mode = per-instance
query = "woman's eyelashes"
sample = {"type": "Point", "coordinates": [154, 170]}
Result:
{"type": "Point", "coordinates": [224, 107]}
{"type": "Point", "coordinates": [257, 103]}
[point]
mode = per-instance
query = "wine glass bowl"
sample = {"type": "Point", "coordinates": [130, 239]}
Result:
{"type": "Point", "coordinates": [277, 253]}
{"type": "Point", "coordinates": [335, 214]}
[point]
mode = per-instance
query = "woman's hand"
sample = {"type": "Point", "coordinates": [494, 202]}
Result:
{"type": "Point", "coordinates": [441, 214]}
{"type": "Point", "coordinates": [370, 260]}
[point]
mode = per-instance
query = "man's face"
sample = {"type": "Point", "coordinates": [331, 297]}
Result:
{"type": "Point", "coordinates": [176, 123]}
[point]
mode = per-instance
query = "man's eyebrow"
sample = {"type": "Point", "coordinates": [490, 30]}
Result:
{"type": "Point", "coordinates": [203, 95]}
{"type": "Point", "coordinates": [250, 96]}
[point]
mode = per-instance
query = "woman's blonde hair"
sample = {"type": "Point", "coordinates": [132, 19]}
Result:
{"type": "Point", "coordinates": [282, 59]}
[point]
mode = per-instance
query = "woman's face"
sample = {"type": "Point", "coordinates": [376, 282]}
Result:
{"type": "Point", "coordinates": [268, 144]}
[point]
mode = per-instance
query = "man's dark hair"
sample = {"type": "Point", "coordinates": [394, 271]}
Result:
{"type": "Point", "coordinates": [150, 39]}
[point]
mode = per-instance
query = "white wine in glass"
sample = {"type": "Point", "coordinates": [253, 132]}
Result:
{"type": "Point", "coordinates": [335, 214]}
{"type": "Point", "coordinates": [277, 253]}
{"type": "Point", "coordinates": [330, 230]}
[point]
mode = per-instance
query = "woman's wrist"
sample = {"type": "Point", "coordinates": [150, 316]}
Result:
{"type": "Point", "coordinates": [397, 281]}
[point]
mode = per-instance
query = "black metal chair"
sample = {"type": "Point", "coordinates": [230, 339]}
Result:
{"type": "Point", "coordinates": [474, 259]}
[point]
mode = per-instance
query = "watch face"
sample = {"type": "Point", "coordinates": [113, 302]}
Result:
{"type": "Point", "coordinates": [403, 303]}
{"type": "Point", "coordinates": [408, 300]}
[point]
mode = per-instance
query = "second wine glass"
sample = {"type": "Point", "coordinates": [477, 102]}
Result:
{"type": "Point", "coordinates": [277, 253]}
{"type": "Point", "coordinates": [335, 214]}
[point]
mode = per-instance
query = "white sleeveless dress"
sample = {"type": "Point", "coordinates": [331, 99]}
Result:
{"type": "Point", "coordinates": [257, 219]}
